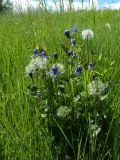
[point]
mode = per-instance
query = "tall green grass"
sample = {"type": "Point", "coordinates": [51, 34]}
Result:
{"type": "Point", "coordinates": [22, 135]}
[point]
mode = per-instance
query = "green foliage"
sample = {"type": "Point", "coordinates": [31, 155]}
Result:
{"type": "Point", "coordinates": [5, 6]}
{"type": "Point", "coordinates": [24, 133]}
{"type": "Point", "coordinates": [73, 96]}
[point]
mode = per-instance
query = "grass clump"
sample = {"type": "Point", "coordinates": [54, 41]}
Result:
{"type": "Point", "coordinates": [72, 110]}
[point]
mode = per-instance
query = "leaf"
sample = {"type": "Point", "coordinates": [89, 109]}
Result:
{"type": "Point", "coordinates": [98, 73]}
{"type": "Point", "coordinates": [112, 63]}
{"type": "Point", "coordinates": [100, 56]}
{"type": "Point", "coordinates": [61, 86]}
{"type": "Point", "coordinates": [67, 140]}
{"type": "Point", "coordinates": [103, 97]}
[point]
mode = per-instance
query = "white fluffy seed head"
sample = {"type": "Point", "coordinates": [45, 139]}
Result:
{"type": "Point", "coordinates": [30, 68]}
{"type": "Point", "coordinates": [87, 34]}
{"type": "Point", "coordinates": [96, 87]}
{"type": "Point", "coordinates": [36, 63]}
{"type": "Point", "coordinates": [63, 111]}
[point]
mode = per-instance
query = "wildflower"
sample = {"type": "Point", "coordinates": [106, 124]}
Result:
{"type": "Point", "coordinates": [36, 53]}
{"type": "Point", "coordinates": [44, 55]}
{"type": "Point", "coordinates": [96, 87]}
{"type": "Point", "coordinates": [30, 74]}
{"type": "Point", "coordinates": [104, 89]}
{"type": "Point", "coordinates": [67, 33]}
{"type": "Point", "coordinates": [30, 69]}
{"type": "Point", "coordinates": [91, 66]}
{"type": "Point", "coordinates": [74, 54]}
{"type": "Point", "coordinates": [87, 34]}
{"type": "Point", "coordinates": [55, 55]}
{"type": "Point", "coordinates": [78, 70]}
{"type": "Point", "coordinates": [63, 111]}
{"type": "Point", "coordinates": [73, 42]}
{"type": "Point", "coordinates": [39, 63]}
{"type": "Point", "coordinates": [74, 29]}
{"type": "Point", "coordinates": [60, 66]}
{"type": "Point", "coordinates": [107, 25]}
{"type": "Point", "coordinates": [35, 64]}
{"type": "Point", "coordinates": [54, 71]}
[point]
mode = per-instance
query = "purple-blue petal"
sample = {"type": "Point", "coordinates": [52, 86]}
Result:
{"type": "Point", "coordinates": [30, 74]}
{"type": "Point", "coordinates": [36, 52]}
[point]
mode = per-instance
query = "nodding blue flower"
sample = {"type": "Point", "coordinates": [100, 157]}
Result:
{"type": "Point", "coordinates": [74, 55]}
{"type": "Point", "coordinates": [73, 42]}
{"type": "Point", "coordinates": [69, 53]}
{"type": "Point", "coordinates": [90, 66]}
{"type": "Point", "coordinates": [31, 75]}
{"type": "Point", "coordinates": [36, 53]}
{"type": "Point", "coordinates": [74, 29]}
{"type": "Point", "coordinates": [54, 71]}
{"type": "Point", "coordinates": [44, 55]}
{"type": "Point", "coordinates": [67, 33]}
{"type": "Point", "coordinates": [78, 70]}
{"type": "Point", "coordinates": [55, 55]}
{"type": "Point", "coordinates": [104, 89]}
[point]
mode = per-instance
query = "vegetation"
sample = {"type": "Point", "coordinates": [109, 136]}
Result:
{"type": "Point", "coordinates": [26, 131]}
{"type": "Point", "coordinates": [5, 6]}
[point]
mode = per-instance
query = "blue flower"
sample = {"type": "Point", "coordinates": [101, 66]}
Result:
{"type": "Point", "coordinates": [74, 55]}
{"type": "Point", "coordinates": [55, 55]}
{"type": "Point", "coordinates": [44, 55]}
{"type": "Point", "coordinates": [54, 71]}
{"type": "Point", "coordinates": [73, 42]}
{"type": "Point", "coordinates": [104, 89]}
{"type": "Point", "coordinates": [31, 75]}
{"type": "Point", "coordinates": [91, 66]}
{"type": "Point", "coordinates": [78, 70]}
{"type": "Point", "coordinates": [36, 53]}
{"type": "Point", "coordinates": [74, 29]}
{"type": "Point", "coordinates": [67, 33]}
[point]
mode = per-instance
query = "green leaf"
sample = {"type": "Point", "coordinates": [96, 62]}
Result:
{"type": "Point", "coordinates": [112, 63]}
{"type": "Point", "coordinates": [100, 57]}
{"type": "Point", "coordinates": [103, 97]}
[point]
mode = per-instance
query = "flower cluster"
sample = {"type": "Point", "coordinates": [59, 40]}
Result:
{"type": "Point", "coordinates": [63, 81]}
{"type": "Point", "coordinates": [40, 61]}
{"type": "Point", "coordinates": [63, 111]}
{"type": "Point", "coordinates": [96, 87]}
{"type": "Point", "coordinates": [35, 64]}
{"type": "Point", "coordinates": [69, 87]}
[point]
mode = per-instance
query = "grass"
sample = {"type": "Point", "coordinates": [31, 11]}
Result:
{"type": "Point", "coordinates": [22, 135]}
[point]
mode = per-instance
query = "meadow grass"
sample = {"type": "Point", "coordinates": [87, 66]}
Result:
{"type": "Point", "coordinates": [22, 134]}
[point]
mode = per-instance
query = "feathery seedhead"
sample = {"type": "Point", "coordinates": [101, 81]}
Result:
{"type": "Point", "coordinates": [87, 34]}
